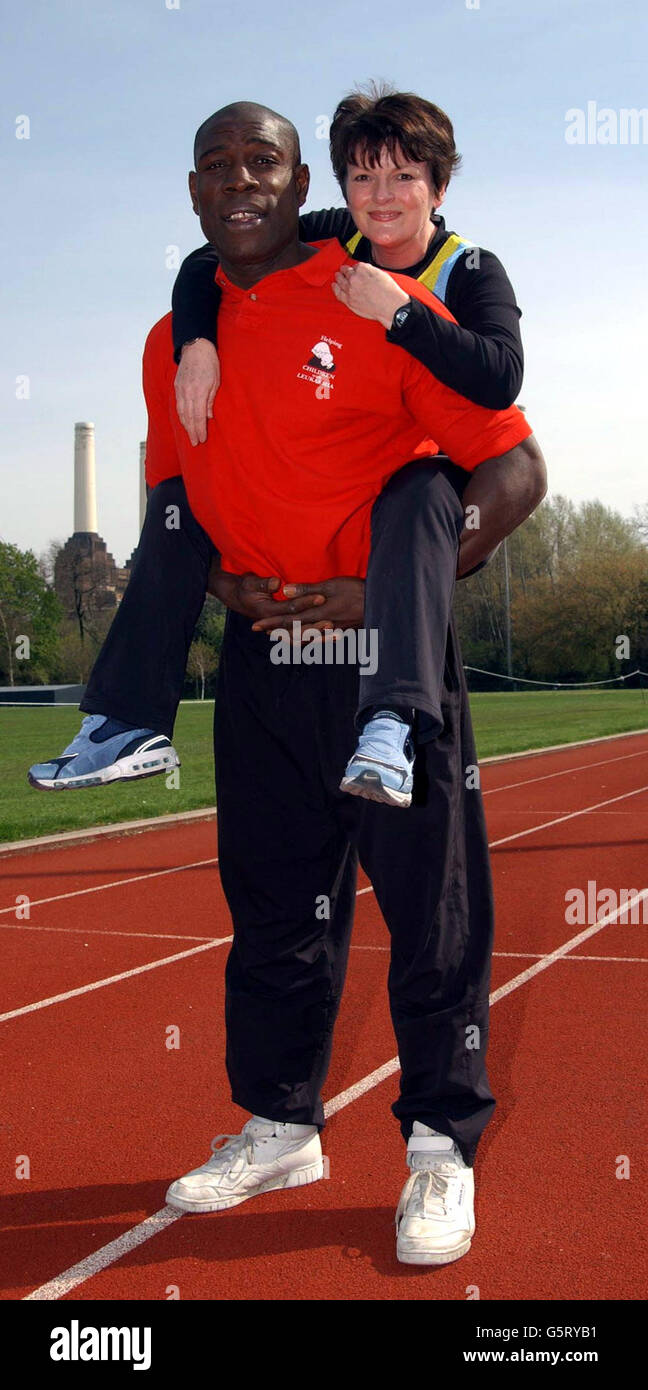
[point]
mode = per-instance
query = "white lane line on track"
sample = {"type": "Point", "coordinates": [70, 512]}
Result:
{"type": "Point", "coordinates": [101, 1259]}
{"type": "Point", "coordinates": [96, 931]}
{"type": "Point", "coordinates": [534, 829]}
{"type": "Point", "coordinates": [107, 1255]}
{"type": "Point", "coordinates": [199, 863]}
{"type": "Point", "coordinates": [116, 883]}
{"type": "Point", "coordinates": [223, 940]}
{"type": "Point", "coordinates": [126, 974]}
{"type": "Point", "coordinates": [565, 772]}
{"type": "Point", "coordinates": [158, 936]}
{"type": "Point", "coordinates": [546, 825]}
{"type": "Point", "coordinates": [540, 955]}
{"type": "Point", "coordinates": [41, 1004]}
{"type": "Point", "coordinates": [111, 980]}
{"type": "Point", "coordinates": [623, 960]}
{"type": "Point", "coordinates": [558, 811]}
{"type": "Point", "coordinates": [361, 1087]}
{"type": "Point", "coordinates": [534, 955]}
{"type": "Point", "coordinates": [561, 951]}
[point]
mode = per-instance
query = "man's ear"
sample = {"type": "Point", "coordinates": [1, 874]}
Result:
{"type": "Point", "coordinates": [302, 183]}
{"type": "Point", "coordinates": [192, 192]}
{"type": "Point", "coordinates": [439, 196]}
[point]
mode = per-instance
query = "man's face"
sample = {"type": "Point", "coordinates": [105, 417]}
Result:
{"type": "Point", "coordinates": [247, 189]}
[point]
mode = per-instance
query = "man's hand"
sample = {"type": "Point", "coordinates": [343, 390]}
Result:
{"type": "Point", "coordinates": [196, 383]}
{"type": "Point", "coordinates": [501, 494]}
{"type": "Point", "coordinates": [330, 603]}
{"type": "Point", "coordinates": [251, 595]}
{"type": "Point", "coordinates": [369, 292]}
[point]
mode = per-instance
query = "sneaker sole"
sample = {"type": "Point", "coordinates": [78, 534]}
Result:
{"type": "Point", "coordinates": [127, 770]}
{"type": "Point", "coordinates": [372, 789]}
{"type": "Point", "coordinates": [299, 1177]}
{"type": "Point", "coordinates": [432, 1257]}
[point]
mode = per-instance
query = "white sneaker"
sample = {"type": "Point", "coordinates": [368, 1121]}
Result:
{"type": "Point", "coordinates": [264, 1156]}
{"type": "Point", "coordinates": [435, 1219]}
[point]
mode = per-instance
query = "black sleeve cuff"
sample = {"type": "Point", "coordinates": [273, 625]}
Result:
{"type": "Point", "coordinates": [415, 323]}
{"type": "Point", "coordinates": [195, 300]}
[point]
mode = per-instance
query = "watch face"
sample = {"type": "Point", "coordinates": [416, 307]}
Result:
{"type": "Point", "coordinates": [401, 316]}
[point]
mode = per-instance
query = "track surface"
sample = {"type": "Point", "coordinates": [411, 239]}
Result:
{"type": "Point", "coordinates": [127, 936]}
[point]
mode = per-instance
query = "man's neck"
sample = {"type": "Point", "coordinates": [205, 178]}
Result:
{"type": "Point", "coordinates": [250, 272]}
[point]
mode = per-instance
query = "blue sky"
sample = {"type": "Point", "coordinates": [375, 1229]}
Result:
{"type": "Point", "coordinates": [114, 92]}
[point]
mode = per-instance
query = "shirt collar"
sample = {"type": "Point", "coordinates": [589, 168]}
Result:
{"type": "Point", "coordinates": [317, 270]}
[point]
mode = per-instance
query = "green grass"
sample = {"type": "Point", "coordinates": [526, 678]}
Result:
{"type": "Point", "coordinates": [509, 723]}
{"type": "Point", "coordinates": [32, 735]}
{"type": "Point", "coordinates": [504, 723]}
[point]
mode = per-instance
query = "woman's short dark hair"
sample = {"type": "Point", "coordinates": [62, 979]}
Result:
{"type": "Point", "coordinates": [368, 122]}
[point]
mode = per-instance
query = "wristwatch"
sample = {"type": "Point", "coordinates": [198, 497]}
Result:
{"type": "Point", "coordinates": [401, 316]}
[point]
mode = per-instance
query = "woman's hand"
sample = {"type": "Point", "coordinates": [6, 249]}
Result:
{"type": "Point", "coordinates": [196, 383]}
{"type": "Point", "coordinates": [369, 292]}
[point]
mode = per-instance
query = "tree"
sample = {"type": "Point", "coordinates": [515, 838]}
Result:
{"type": "Point", "coordinates": [75, 658]}
{"type": "Point", "coordinates": [202, 661]}
{"type": "Point", "coordinates": [211, 623]}
{"type": "Point", "coordinates": [47, 562]}
{"type": "Point", "coordinates": [579, 580]}
{"type": "Point", "coordinates": [570, 631]}
{"type": "Point", "coordinates": [28, 610]}
{"type": "Point", "coordinates": [641, 522]}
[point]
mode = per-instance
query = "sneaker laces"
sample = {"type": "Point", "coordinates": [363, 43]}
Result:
{"type": "Point", "coordinates": [430, 1195]}
{"type": "Point", "coordinates": [229, 1152]}
{"type": "Point", "coordinates": [235, 1146]}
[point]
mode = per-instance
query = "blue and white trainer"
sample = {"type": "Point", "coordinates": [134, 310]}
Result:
{"type": "Point", "coordinates": [105, 750]}
{"type": "Point", "coordinates": [382, 766]}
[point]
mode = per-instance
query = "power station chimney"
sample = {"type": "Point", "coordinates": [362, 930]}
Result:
{"type": "Point", "coordinates": [142, 483]}
{"type": "Point", "coordinates": [85, 489]}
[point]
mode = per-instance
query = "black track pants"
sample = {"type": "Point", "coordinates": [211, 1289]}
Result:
{"type": "Point", "coordinates": [140, 671]}
{"type": "Point", "coordinates": [415, 528]}
{"type": "Point", "coordinates": [289, 844]}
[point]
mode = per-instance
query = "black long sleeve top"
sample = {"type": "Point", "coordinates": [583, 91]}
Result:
{"type": "Point", "coordinates": [480, 356]}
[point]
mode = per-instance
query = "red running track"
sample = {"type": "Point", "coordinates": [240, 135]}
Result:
{"type": "Point", "coordinates": [135, 941]}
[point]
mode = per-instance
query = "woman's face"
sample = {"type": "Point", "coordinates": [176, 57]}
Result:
{"type": "Point", "coordinates": [392, 204]}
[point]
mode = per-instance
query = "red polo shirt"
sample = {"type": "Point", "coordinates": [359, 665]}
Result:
{"type": "Point", "coordinates": [315, 411]}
